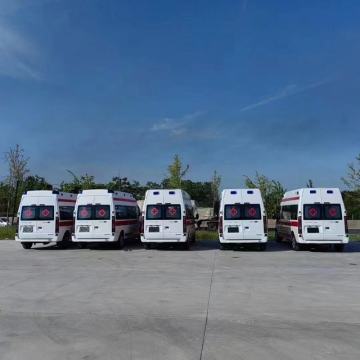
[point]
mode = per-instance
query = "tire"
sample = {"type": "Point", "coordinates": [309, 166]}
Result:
{"type": "Point", "coordinates": [294, 244]}
{"type": "Point", "coordinates": [64, 243]}
{"type": "Point", "coordinates": [339, 247]}
{"type": "Point", "coordinates": [26, 245]}
{"type": "Point", "coordinates": [263, 246]}
{"type": "Point", "coordinates": [82, 245]}
{"type": "Point", "coordinates": [277, 237]}
{"type": "Point", "coordinates": [147, 246]}
{"type": "Point", "coordinates": [222, 246]}
{"type": "Point", "coordinates": [121, 241]}
{"type": "Point", "coordinates": [186, 245]}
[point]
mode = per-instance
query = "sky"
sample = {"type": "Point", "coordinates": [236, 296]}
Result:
{"type": "Point", "coordinates": [116, 88]}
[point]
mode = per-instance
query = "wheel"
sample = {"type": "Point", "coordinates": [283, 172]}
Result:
{"type": "Point", "coordinates": [294, 244]}
{"type": "Point", "coordinates": [121, 241]}
{"type": "Point", "coordinates": [339, 247]}
{"type": "Point", "coordinates": [82, 245]}
{"type": "Point", "coordinates": [186, 245]}
{"type": "Point", "coordinates": [147, 246]}
{"type": "Point", "coordinates": [26, 245]}
{"type": "Point", "coordinates": [262, 247]}
{"type": "Point", "coordinates": [64, 243]}
{"type": "Point", "coordinates": [277, 237]}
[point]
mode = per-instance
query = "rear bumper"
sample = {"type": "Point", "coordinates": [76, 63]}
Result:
{"type": "Point", "coordinates": [37, 239]}
{"type": "Point", "coordinates": [262, 240]}
{"type": "Point", "coordinates": [180, 239]}
{"type": "Point", "coordinates": [340, 240]}
{"type": "Point", "coordinates": [93, 239]}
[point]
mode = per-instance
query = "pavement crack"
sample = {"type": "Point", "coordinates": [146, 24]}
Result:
{"type": "Point", "coordinates": [207, 307]}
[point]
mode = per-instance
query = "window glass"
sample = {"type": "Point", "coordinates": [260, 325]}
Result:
{"type": "Point", "coordinates": [332, 212]}
{"type": "Point", "coordinates": [46, 213]}
{"type": "Point", "coordinates": [312, 212]}
{"type": "Point", "coordinates": [153, 212]}
{"type": "Point", "coordinates": [66, 212]}
{"type": "Point", "coordinates": [172, 212]}
{"type": "Point", "coordinates": [232, 212]}
{"type": "Point", "coordinates": [120, 211]}
{"type": "Point", "coordinates": [132, 212]}
{"type": "Point", "coordinates": [28, 213]}
{"type": "Point", "coordinates": [102, 212]}
{"type": "Point", "coordinates": [252, 212]}
{"type": "Point", "coordinates": [84, 212]}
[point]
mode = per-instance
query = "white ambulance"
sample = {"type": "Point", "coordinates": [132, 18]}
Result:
{"type": "Point", "coordinates": [167, 217]}
{"type": "Point", "coordinates": [103, 215]}
{"type": "Point", "coordinates": [45, 216]}
{"type": "Point", "coordinates": [313, 216]}
{"type": "Point", "coordinates": [242, 218]}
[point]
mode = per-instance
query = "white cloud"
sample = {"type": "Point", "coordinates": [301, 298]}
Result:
{"type": "Point", "coordinates": [18, 54]}
{"type": "Point", "coordinates": [285, 92]}
{"type": "Point", "coordinates": [176, 127]}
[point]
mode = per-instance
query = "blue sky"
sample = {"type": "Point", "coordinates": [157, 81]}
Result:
{"type": "Point", "coordinates": [118, 87]}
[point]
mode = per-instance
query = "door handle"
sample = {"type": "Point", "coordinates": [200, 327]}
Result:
{"type": "Point", "coordinates": [96, 227]}
{"type": "Point", "coordinates": [327, 228]}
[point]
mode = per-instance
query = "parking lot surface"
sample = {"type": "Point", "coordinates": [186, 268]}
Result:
{"type": "Point", "coordinates": [103, 303]}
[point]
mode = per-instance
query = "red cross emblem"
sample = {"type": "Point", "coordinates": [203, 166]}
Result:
{"type": "Point", "coordinates": [28, 213]}
{"type": "Point", "coordinates": [154, 211]}
{"type": "Point", "coordinates": [252, 212]}
{"type": "Point", "coordinates": [313, 212]}
{"type": "Point", "coordinates": [172, 211]}
{"type": "Point", "coordinates": [45, 213]}
{"type": "Point", "coordinates": [84, 212]}
{"type": "Point", "coordinates": [234, 211]}
{"type": "Point", "coordinates": [102, 212]}
{"type": "Point", "coordinates": [332, 212]}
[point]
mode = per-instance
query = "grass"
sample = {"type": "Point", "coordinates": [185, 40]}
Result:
{"type": "Point", "coordinates": [7, 232]}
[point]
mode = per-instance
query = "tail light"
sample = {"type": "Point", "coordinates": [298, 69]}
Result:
{"type": "Point", "coordinates": [346, 225]}
{"type": "Point", "coordinates": [184, 225]}
{"type": "Point", "coordinates": [113, 227]}
{"type": "Point", "coordinates": [57, 225]}
{"type": "Point", "coordinates": [300, 226]}
{"type": "Point", "coordinates": [265, 225]}
{"type": "Point", "coordinates": [221, 225]}
{"type": "Point", "coordinates": [142, 225]}
{"type": "Point", "coordinates": [73, 226]}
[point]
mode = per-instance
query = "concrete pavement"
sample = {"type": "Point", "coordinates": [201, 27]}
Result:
{"type": "Point", "coordinates": [104, 303]}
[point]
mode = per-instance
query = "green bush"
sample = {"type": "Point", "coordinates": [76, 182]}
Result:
{"type": "Point", "coordinates": [7, 232]}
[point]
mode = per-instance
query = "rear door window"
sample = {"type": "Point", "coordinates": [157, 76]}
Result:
{"type": "Point", "coordinates": [46, 213]}
{"type": "Point", "coordinates": [102, 212]}
{"type": "Point", "coordinates": [332, 212]}
{"type": "Point", "coordinates": [312, 212]}
{"type": "Point", "coordinates": [172, 212]}
{"type": "Point", "coordinates": [28, 213]}
{"type": "Point", "coordinates": [84, 212]}
{"type": "Point", "coordinates": [252, 212]}
{"type": "Point", "coordinates": [233, 212]}
{"type": "Point", "coordinates": [154, 212]}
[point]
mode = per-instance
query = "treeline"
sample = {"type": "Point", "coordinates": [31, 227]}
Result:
{"type": "Point", "coordinates": [205, 193]}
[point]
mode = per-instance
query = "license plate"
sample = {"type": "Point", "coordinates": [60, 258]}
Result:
{"type": "Point", "coordinates": [27, 229]}
{"type": "Point", "coordinates": [153, 229]}
{"type": "Point", "coordinates": [84, 229]}
{"type": "Point", "coordinates": [233, 229]}
{"type": "Point", "coordinates": [313, 230]}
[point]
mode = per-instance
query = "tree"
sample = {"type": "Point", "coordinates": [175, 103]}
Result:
{"type": "Point", "coordinates": [352, 182]}
{"type": "Point", "coordinates": [80, 183]}
{"type": "Point", "coordinates": [215, 192]}
{"type": "Point", "coordinates": [35, 182]}
{"type": "Point", "coordinates": [17, 163]}
{"type": "Point", "coordinates": [176, 173]}
{"type": "Point", "coordinates": [271, 190]}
